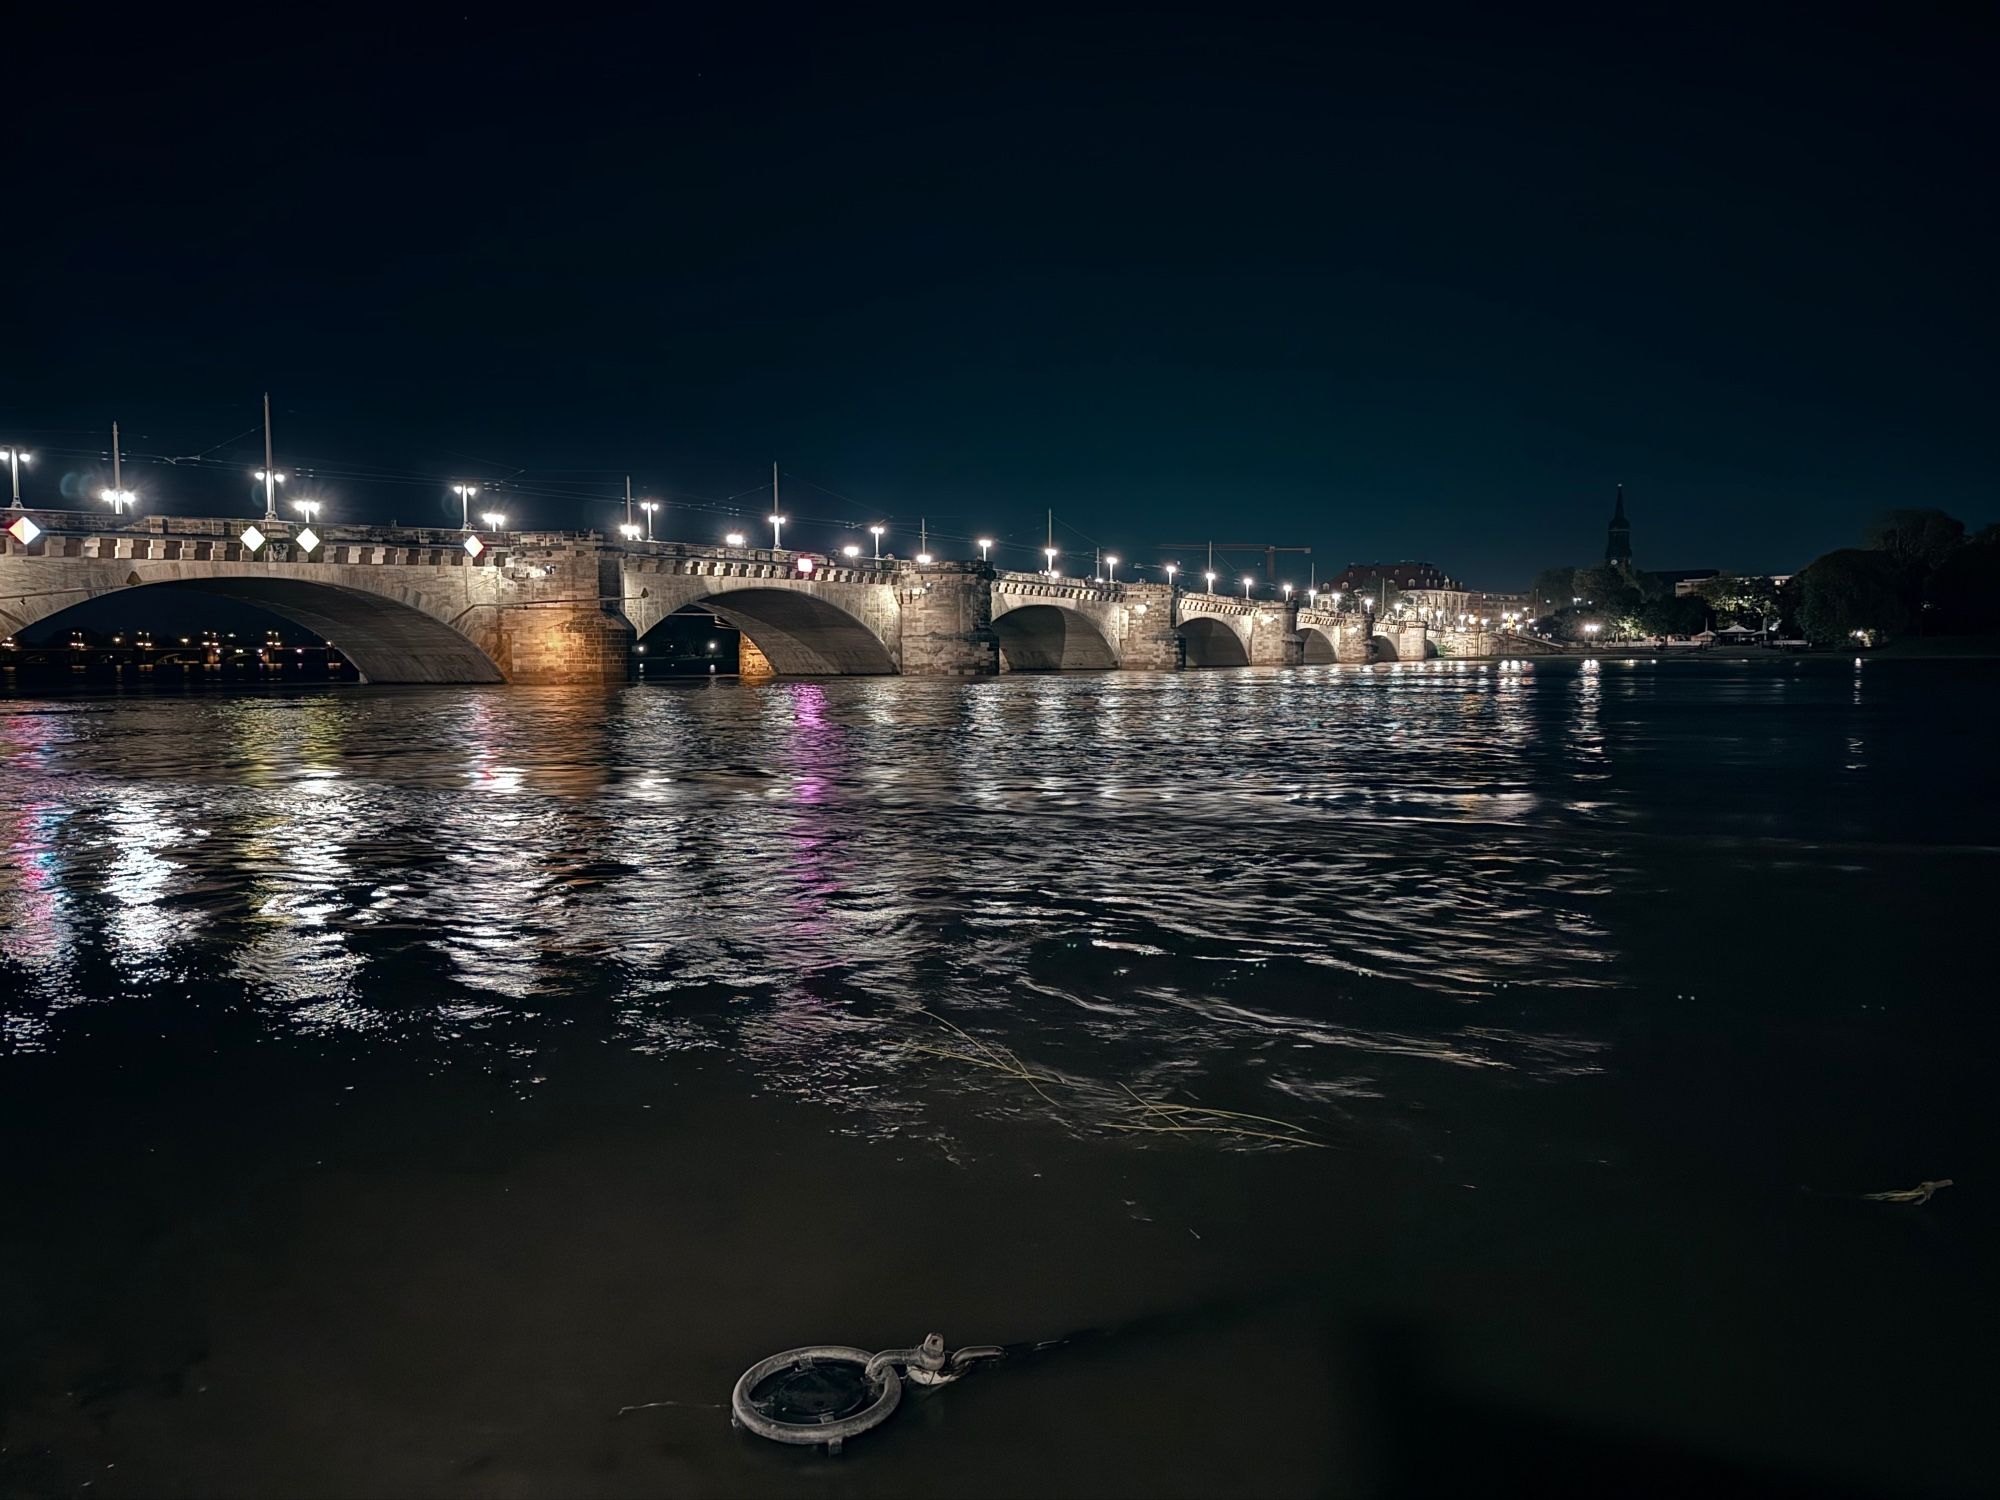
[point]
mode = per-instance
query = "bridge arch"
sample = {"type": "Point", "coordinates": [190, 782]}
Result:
{"type": "Point", "coordinates": [396, 635]}
{"type": "Point", "coordinates": [1208, 641]}
{"type": "Point", "coordinates": [1043, 637]}
{"type": "Point", "coordinates": [802, 633]}
{"type": "Point", "coordinates": [1316, 647]}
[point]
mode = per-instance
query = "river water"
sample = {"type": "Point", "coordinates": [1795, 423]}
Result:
{"type": "Point", "coordinates": [449, 1092]}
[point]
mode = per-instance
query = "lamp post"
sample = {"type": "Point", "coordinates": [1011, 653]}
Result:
{"type": "Point", "coordinates": [1288, 593]}
{"type": "Point", "coordinates": [777, 530]}
{"type": "Point", "coordinates": [1050, 554]}
{"type": "Point", "coordinates": [1111, 566]}
{"type": "Point", "coordinates": [985, 546]}
{"type": "Point", "coordinates": [1247, 581]}
{"type": "Point", "coordinates": [850, 551]}
{"type": "Point", "coordinates": [270, 479]}
{"type": "Point", "coordinates": [15, 458]}
{"type": "Point", "coordinates": [465, 492]}
{"type": "Point", "coordinates": [117, 500]}
{"type": "Point", "coordinates": [649, 506]}
{"type": "Point", "coordinates": [876, 532]}
{"type": "Point", "coordinates": [495, 520]}
{"type": "Point", "coordinates": [629, 531]}
{"type": "Point", "coordinates": [734, 539]}
{"type": "Point", "coordinates": [1210, 576]}
{"type": "Point", "coordinates": [1171, 569]}
{"type": "Point", "coordinates": [307, 508]}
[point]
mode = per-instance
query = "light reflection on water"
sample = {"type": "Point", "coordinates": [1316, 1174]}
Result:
{"type": "Point", "coordinates": [1270, 888]}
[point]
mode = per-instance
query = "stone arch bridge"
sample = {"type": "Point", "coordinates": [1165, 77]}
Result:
{"type": "Point", "coordinates": [420, 605]}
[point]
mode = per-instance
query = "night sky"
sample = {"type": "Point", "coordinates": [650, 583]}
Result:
{"type": "Point", "coordinates": [1424, 286]}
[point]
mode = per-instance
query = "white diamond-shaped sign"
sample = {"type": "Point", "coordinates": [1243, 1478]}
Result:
{"type": "Point", "coordinates": [252, 538]}
{"type": "Point", "coordinates": [307, 540]}
{"type": "Point", "coordinates": [473, 546]}
{"type": "Point", "coordinates": [24, 530]}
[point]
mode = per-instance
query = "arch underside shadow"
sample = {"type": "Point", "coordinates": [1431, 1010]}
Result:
{"type": "Point", "coordinates": [386, 640]}
{"type": "Point", "coordinates": [1210, 643]}
{"type": "Point", "coordinates": [1318, 647]}
{"type": "Point", "coordinates": [1385, 648]}
{"type": "Point", "coordinates": [801, 635]}
{"type": "Point", "coordinates": [1047, 638]}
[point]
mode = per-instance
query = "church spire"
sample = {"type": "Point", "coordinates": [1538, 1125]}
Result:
{"type": "Point", "coordinates": [1618, 535]}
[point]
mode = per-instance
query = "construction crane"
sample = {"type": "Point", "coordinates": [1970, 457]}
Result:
{"type": "Point", "coordinates": [1268, 549]}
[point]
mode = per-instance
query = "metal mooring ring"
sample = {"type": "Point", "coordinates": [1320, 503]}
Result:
{"type": "Point", "coordinates": [813, 1434]}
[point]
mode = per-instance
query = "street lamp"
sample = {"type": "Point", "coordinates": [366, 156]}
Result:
{"type": "Point", "coordinates": [1050, 554]}
{"type": "Point", "coordinates": [495, 520]}
{"type": "Point", "coordinates": [465, 492]}
{"type": "Point", "coordinates": [1247, 581]}
{"type": "Point", "coordinates": [630, 532]}
{"type": "Point", "coordinates": [1111, 567]}
{"type": "Point", "coordinates": [307, 508]}
{"type": "Point", "coordinates": [777, 530]}
{"type": "Point", "coordinates": [734, 539]}
{"type": "Point", "coordinates": [1288, 593]}
{"type": "Point", "coordinates": [15, 458]}
{"type": "Point", "coordinates": [1210, 576]}
{"type": "Point", "coordinates": [270, 479]}
{"type": "Point", "coordinates": [649, 506]}
{"type": "Point", "coordinates": [924, 559]}
{"type": "Point", "coordinates": [850, 551]}
{"type": "Point", "coordinates": [118, 500]}
{"type": "Point", "coordinates": [1172, 568]}
{"type": "Point", "coordinates": [876, 532]}
{"type": "Point", "coordinates": [985, 545]}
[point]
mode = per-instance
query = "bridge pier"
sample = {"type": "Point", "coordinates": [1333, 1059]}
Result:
{"type": "Point", "coordinates": [947, 620]}
{"type": "Point", "coordinates": [1274, 635]}
{"type": "Point", "coordinates": [561, 620]}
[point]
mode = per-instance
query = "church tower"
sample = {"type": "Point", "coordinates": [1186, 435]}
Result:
{"type": "Point", "coordinates": [1618, 535]}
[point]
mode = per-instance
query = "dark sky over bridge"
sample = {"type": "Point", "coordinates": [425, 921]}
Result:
{"type": "Point", "coordinates": [1423, 287]}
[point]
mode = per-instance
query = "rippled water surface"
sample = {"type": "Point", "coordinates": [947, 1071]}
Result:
{"type": "Point", "coordinates": [1405, 1077]}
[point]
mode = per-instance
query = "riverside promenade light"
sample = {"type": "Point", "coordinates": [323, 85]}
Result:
{"type": "Point", "coordinates": [465, 492]}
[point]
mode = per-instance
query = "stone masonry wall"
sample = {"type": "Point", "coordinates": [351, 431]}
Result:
{"type": "Point", "coordinates": [947, 621]}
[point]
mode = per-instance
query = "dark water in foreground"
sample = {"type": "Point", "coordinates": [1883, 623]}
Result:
{"type": "Point", "coordinates": [395, 1085]}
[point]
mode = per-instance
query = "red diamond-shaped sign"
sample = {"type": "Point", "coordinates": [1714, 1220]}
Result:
{"type": "Point", "coordinates": [473, 546]}
{"type": "Point", "coordinates": [24, 530]}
